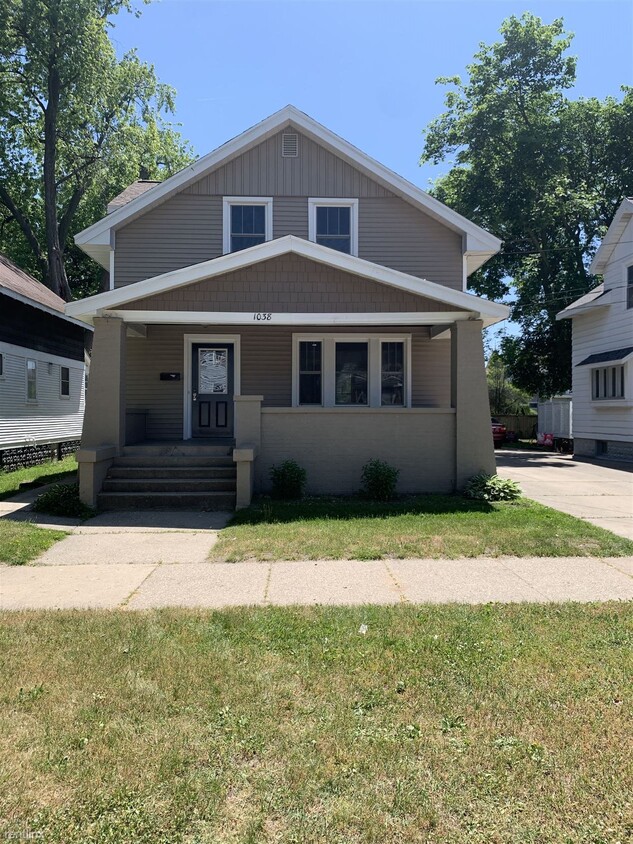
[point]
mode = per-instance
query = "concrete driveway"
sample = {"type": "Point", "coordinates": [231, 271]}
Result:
{"type": "Point", "coordinates": [600, 494]}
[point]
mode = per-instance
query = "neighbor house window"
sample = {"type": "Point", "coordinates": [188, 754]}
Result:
{"type": "Point", "coordinates": [310, 371]}
{"type": "Point", "coordinates": [31, 380]}
{"type": "Point", "coordinates": [1, 365]}
{"type": "Point", "coordinates": [334, 223]}
{"type": "Point", "coordinates": [629, 286]}
{"type": "Point", "coordinates": [608, 382]}
{"type": "Point", "coordinates": [247, 222]}
{"type": "Point", "coordinates": [336, 370]}
{"type": "Point", "coordinates": [64, 381]}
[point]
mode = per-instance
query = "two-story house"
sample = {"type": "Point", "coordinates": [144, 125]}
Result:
{"type": "Point", "coordinates": [285, 296]}
{"type": "Point", "coordinates": [602, 348]}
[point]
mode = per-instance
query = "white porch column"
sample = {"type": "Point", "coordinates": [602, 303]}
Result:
{"type": "Point", "coordinates": [103, 434]}
{"type": "Point", "coordinates": [474, 451]}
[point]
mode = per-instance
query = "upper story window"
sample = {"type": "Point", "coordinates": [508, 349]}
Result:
{"type": "Point", "coordinates": [334, 223]}
{"type": "Point", "coordinates": [248, 221]}
{"type": "Point", "coordinates": [629, 286]}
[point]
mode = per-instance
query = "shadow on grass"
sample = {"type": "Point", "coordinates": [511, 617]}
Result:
{"type": "Point", "coordinates": [341, 508]}
{"type": "Point", "coordinates": [43, 480]}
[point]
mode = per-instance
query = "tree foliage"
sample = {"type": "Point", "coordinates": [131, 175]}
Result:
{"type": "Point", "coordinates": [543, 172]}
{"type": "Point", "coordinates": [77, 125]}
{"type": "Point", "coordinates": [504, 396]}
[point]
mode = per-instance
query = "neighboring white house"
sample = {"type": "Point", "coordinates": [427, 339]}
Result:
{"type": "Point", "coordinates": [42, 364]}
{"type": "Point", "coordinates": [602, 348]}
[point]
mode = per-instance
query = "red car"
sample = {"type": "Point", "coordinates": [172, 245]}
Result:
{"type": "Point", "coordinates": [498, 432]}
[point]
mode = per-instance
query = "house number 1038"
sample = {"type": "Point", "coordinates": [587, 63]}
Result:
{"type": "Point", "coordinates": [262, 317]}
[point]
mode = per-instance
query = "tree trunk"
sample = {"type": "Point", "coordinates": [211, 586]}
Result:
{"type": "Point", "coordinates": [56, 276]}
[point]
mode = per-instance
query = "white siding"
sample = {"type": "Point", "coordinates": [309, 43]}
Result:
{"type": "Point", "coordinates": [50, 418]}
{"type": "Point", "coordinates": [602, 330]}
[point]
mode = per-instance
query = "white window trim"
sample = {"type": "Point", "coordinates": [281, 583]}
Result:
{"type": "Point", "coordinates": [601, 400]}
{"type": "Point", "coordinates": [228, 201]}
{"type": "Point", "coordinates": [316, 202]}
{"type": "Point", "coordinates": [328, 367]}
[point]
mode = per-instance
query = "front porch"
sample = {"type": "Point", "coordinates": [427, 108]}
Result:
{"type": "Point", "coordinates": [438, 438]}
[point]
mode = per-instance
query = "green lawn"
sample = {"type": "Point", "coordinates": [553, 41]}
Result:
{"type": "Point", "coordinates": [43, 474]}
{"type": "Point", "coordinates": [21, 542]}
{"type": "Point", "coordinates": [444, 725]}
{"type": "Point", "coordinates": [429, 526]}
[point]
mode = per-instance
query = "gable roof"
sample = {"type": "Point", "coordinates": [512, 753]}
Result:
{"type": "Point", "coordinates": [16, 284]}
{"type": "Point", "coordinates": [612, 237]}
{"type": "Point", "coordinates": [85, 309]}
{"type": "Point", "coordinates": [480, 245]}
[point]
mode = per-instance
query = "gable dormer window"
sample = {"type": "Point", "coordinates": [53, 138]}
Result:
{"type": "Point", "coordinates": [247, 221]}
{"type": "Point", "coordinates": [334, 223]}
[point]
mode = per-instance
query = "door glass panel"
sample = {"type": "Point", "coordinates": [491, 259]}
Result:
{"type": "Point", "coordinates": [212, 371]}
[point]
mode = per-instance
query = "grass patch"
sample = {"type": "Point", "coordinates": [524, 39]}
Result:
{"type": "Point", "coordinates": [430, 526]}
{"type": "Point", "coordinates": [45, 473]}
{"type": "Point", "coordinates": [21, 542]}
{"type": "Point", "coordinates": [441, 724]}
{"type": "Point", "coordinates": [63, 500]}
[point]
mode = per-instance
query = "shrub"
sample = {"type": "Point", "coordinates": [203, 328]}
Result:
{"type": "Point", "coordinates": [63, 500]}
{"type": "Point", "coordinates": [379, 480]}
{"type": "Point", "coordinates": [486, 487]}
{"type": "Point", "coordinates": [289, 480]}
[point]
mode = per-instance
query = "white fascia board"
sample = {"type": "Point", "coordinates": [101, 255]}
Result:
{"type": "Point", "coordinates": [600, 300]}
{"type": "Point", "coordinates": [611, 238]}
{"type": "Point", "coordinates": [275, 248]}
{"type": "Point", "coordinates": [5, 291]}
{"type": "Point", "coordinates": [248, 318]}
{"type": "Point", "coordinates": [478, 239]}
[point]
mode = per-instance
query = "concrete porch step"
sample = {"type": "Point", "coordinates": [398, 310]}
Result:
{"type": "Point", "coordinates": [214, 471]}
{"type": "Point", "coordinates": [179, 450]}
{"type": "Point", "coordinates": [175, 485]}
{"type": "Point", "coordinates": [190, 461]}
{"type": "Point", "coordinates": [166, 501]}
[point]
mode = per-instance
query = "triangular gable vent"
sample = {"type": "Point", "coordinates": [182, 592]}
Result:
{"type": "Point", "coordinates": [289, 145]}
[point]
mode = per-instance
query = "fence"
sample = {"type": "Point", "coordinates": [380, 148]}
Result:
{"type": "Point", "coordinates": [523, 426]}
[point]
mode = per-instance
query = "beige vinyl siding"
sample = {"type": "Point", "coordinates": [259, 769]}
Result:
{"type": "Point", "coordinates": [289, 284]}
{"type": "Point", "coordinates": [290, 216]}
{"type": "Point", "coordinates": [261, 171]}
{"type": "Point", "coordinates": [182, 231]}
{"type": "Point", "coordinates": [266, 356]}
{"type": "Point", "coordinates": [395, 234]}
{"type": "Point", "coordinates": [50, 418]}
{"type": "Point", "coordinates": [187, 228]}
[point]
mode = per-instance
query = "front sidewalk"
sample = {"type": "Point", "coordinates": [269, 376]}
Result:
{"type": "Point", "coordinates": [128, 583]}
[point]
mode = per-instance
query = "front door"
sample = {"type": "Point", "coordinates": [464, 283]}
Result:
{"type": "Point", "coordinates": [212, 390]}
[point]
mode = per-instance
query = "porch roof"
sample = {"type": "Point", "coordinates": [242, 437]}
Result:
{"type": "Point", "coordinates": [463, 305]}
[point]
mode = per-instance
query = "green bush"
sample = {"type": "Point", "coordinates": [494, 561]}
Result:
{"type": "Point", "coordinates": [288, 479]}
{"type": "Point", "coordinates": [484, 487]}
{"type": "Point", "coordinates": [63, 500]}
{"type": "Point", "coordinates": [379, 480]}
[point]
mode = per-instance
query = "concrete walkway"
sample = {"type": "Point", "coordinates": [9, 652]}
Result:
{"type": "Point", "coordinates": [128, 583]}
{"type": "Point", "coordinates": [599, 493]}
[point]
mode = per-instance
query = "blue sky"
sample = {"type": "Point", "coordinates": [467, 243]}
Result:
{"type": "Point", "coordinates": [366, 70]}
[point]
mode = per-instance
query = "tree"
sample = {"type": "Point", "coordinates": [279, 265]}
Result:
{"type": "Point", "coordinates": [76, 126]}
{"type": "Point", "coordinates": [504, 396]}
{"type": "Point", "coordinates": [544, 173]}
